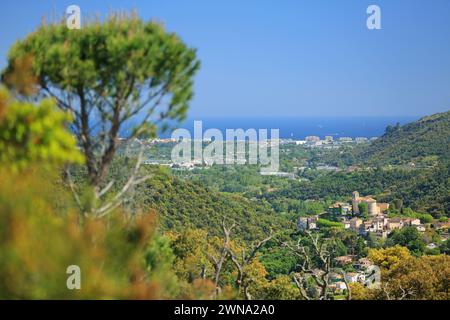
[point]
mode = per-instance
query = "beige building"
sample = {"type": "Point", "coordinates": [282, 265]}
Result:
{"type": "Point", "coordinates": [373, 207]}
{"type": "Point", "coordinates": [343, 260]}
{"type": "Point", "coordinates": [307, 223]}
{"type": "Point", "coordinates": [395, 223]}
{"type": "Point", "coordinates": [355, 223]}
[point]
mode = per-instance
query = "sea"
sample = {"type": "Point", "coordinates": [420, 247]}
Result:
{"type": "Point", "coordinates": [297, 128]}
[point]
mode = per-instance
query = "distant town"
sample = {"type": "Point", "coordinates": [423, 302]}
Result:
{"type": "Point", "coordinates": [328, 142]}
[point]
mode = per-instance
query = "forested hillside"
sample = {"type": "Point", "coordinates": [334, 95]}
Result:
{"type": "Point", "coordinates": [425, 139]}
{"type": "Point", "coordinates": [424, 190]}
{"type": "Point", "coordinates": [183, 204]}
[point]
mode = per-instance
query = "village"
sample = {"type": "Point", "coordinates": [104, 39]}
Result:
{"type": "Point", "coordinates": [365, 272]}
{"type": "Point", "coordinates": [364, 216]}
{"type": "Point", "coordinates": [373, 220]}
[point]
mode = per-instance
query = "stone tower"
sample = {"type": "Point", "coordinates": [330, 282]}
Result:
{"type": "Point", "coordinates": [355, 201]}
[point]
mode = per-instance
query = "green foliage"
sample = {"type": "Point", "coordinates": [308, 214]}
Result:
{"type": "Point", "coordinates": [423, 190]}
{"type": "Point", "coordinates": [363, 209]}
{"type": "Point", "coordinates": [445, 247]}
{"type": "Point", "coordinates": [398, 205]}
{"type": "Point", "coordinates": [373, 241]}
{"type": "Point", "coordinates": [416, 141]}
{"type": "Point", "coordinates": [425, 277]}
{"type": "Point", "coordinates": [191, 250]}
{"type": "Point", "coordinates": [34, 133]}
{"type": "Point", "coordinates": [248, 181]}
{"type": "Point", "coordinates": [41, 236]}
{"type": "Point", "coordinates": [159, 260]}
{"type": "Point", "coordinates": [408, 237]}
{"type": "Point", "coordinates": [323, 223]}
{"type": "Point", "coordinates": [243, 179]}
{"type": "Point", "coordinates": [278, 262]}
{"type": "Point", "coordinates": [184, 204]}
{"type": "Point", "coordinates": [121, 55]}
{"type": "Point", "coordinates": [281, 288]}
{"type": "Point", "coordinates": [408, 212]}
{"type": "Point", "coordinates": [354, 244]}
{"type": "Point", "coordinates": [109, 68]}
{"type": "Point", "coordinates": [118, 77]}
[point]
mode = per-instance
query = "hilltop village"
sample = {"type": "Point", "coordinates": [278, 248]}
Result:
{"type": "Point", "coordinates": [364, 215]}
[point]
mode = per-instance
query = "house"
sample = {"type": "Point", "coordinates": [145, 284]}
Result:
{"type": "Point", "coordinates": [395, 223]}
{"type": "Point", "coordinates": [340, 208]}
{"type": "Point", "coordinates": [333, 288]}
{"type": "Point", "coordinates": [432, 246]}
{"type": "Point", "coordinates": [302, 223]}
{"type": "Point", "coordinates": [376, 225]}
{"type": "Point", "coordinates": [398, 223]}
{"type": "Point", "coordinates": [355, 223]}
{"type": "Point", "coordinates": [341, 285]}
{"type": "Point", "coordinates": [363, 264]}
{"type": "Point", "coordinates": [317, 272]}
{"type": "Point", "coordinates": [380, 222]}
{"type": "Point", "coordinates": [312, 139]}
{"type": "Point", "coordinates": [312, 223]}
{"type": "Point", "coordinates": [335, 276]}
{"type": "Point", "coordinates": [361, 139]}
{"type": "Point", "coordinates": [445, 236]}
{"type": "Point", "coordinates": [366, 227]}
{"type": "Point", "coordinates": [383, 207]}
{"type": "Point", "coordinates": [352, 277]}
{"type": "Point", "coordinates": [345, 139]}
{"type": "Point", "coordinates": [441, 225]}
{"type": "Point", "coordinates": [361, 278]}
{"type": "Point", "coordinates": [184, 165]}
{"type": "Point", "coordinates": [307, 223]}
{"type": "Point", "coordinates": [411, 222]}
{"type": "Point", "coordinates": [352, 168]}
{"type": "Point", "coordinates": [338, 287]}
{"type": "Point", "coordinates": [420, 228]}
{"type": "Point", "coordinates": [343, 260]}
{"type": "Point", "coordinates": [382, 234]}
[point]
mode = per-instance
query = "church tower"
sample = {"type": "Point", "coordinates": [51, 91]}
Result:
{"type": "Point", "coordinates": [355, 201]}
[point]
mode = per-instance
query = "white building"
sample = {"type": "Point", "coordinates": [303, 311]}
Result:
{"type": "Point", "coordinates": [312, 139]}
{"type": "Point", "coordinates": [361, 139]}
{"type": "Point", "coordinates": [307, 223]}
{"type": "Point", "coordinates": [345, 139]}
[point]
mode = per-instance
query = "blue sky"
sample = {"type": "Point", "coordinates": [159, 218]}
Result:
{"type": "Point", "coordinates": [292, 58]}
